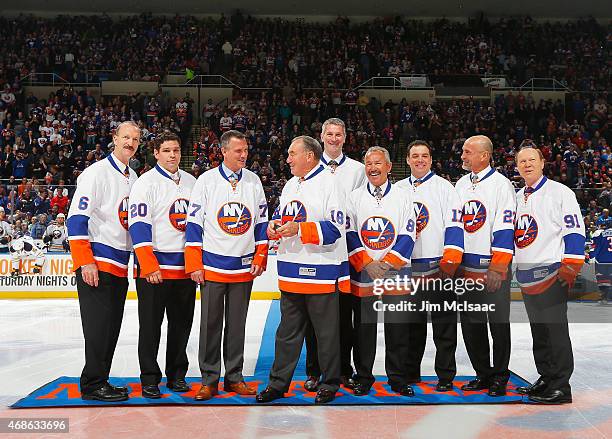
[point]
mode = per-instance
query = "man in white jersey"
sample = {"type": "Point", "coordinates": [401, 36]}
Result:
{"type": "Point", "coordinates": [437, 253]}
{"type": "Point", "coordinates": [158, 217]}
{"type": "Point", "coordinates": [312, 269]}
{"type": "Point", "coordinates": [348, 175]}
{"type": "Point", "coordinates": [380, 237]}
{"type": "Point", "coordinates": [56, 234]}
{"type": "Point", "coordinates": [488, 214]}
{"type": "Point", "coordinates": [226, 249]}
{"type": "Point", "coordinates": [101, 246]}
{"type": "Point", "coordinates": [549, 237]}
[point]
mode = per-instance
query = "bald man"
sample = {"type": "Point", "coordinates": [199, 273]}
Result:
{"type": "Point", "coordinates": [488, 200]}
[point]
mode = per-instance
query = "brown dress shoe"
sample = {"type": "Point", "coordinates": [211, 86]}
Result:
{"type": "Point", "coordinates": [206, 392]}
{"type": "Point", "coordinates": [240, 388]}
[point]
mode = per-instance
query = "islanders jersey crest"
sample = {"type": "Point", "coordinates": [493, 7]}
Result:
{"type": "Point", "coordinates": [178, 214]}
{"type": "Point", "coordinates": [525, 231]}
{"type": "Point", "coordinates": [294, 211]}
{"type": "Point", "coordinates": [377, 233]}
{"type": "Point", "coordinates": [122, 212]}
{"type": "Point", "coordinates": [474, 216]}
{"type": "Point", "coordinates": [422, 216]}
{"type": "Point", "coordinates": [234, 218]}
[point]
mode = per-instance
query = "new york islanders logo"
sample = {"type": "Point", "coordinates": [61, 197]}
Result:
{"type": "Point", "coordinates": [122, 211]}
{"type": "Point", "coordinates": [377, 233]}
{"type": "Point", "coordinates": [474, 216]}
{"type": "Point", "coordinates": [178, 214]}
{"type": "Point", "coordinates": [525, 231]}
{"type": "Point", "coordinates": [422, 216]}
{"type": "Point", "coordinates": [234, 218]}
{"type": "Point", "coordinates": [294, 211]}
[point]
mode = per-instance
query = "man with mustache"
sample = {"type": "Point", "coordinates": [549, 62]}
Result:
{"type": "Point", "coordinates": [100, 245]}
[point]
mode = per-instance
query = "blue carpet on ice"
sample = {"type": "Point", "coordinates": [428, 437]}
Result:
{"type": "Point", "coordinates": [64, 391]}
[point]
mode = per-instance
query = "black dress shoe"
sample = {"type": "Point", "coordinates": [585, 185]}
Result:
{"type": "Point", "coordinates": [311, 384]}
{"type": "Point", "coordinates": [477, 384]}
{"type": "Point", "coordinates": [324, 396]}
{"type": "Point", "coordinates": [444, 386]}
{"type": "Point", "coordinates": [360, 389]}
{"type": "Point", "coordinates": [552, 397]}
{"type": "Point", "coordinates": [497, 388]}
{"type": "Point", "coordinates": [105, 393]}
{"type": "Point", "coordinates": [120, 389]}
{"type": "Point", "coordinates": [178, 385]}
{"type": "Point", "coordinates": [269, 395]}
{"type": "Point", "coordinates": [533, 389]}
{"type": "Point", "coordinates": [404, 390]}
{"type": "Point", "coordinates": [151, 391]}
{"type": "Point", "coordinates": [347, 381]}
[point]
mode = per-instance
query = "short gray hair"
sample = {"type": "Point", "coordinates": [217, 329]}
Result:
{"type": "Point", "coordinates": [310, 144]}
{"type": "Point", "coordinates": [333, 121]}
{"type": "Point", "coordinates": [227, 137]}
{"type": "Point", "coordinates": [380, 149]}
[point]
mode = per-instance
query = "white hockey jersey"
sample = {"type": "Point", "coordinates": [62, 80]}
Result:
{"type": "Point", "coordinates": [549, 236]}
{"type": "Point", "coordinates": [6, 234]}
{"type": "Point", "coordinates": [57, 235]}
{"type": "Point", "coordinates": [379, 230]}
{"type": "Point", "coordinates": [488, 220]}
{"type": "Point", "coordinates": [98, 217]}
{"type": "Point", "coordinates": [348, 175]}
{"type": "Point", "coordinates": [226, 227]}
{"type": "Point", "coordinates": [313, 262]}
{"type": "Point", "coordinates": [158, 220]}
{"type": "Point", "coordinates": [439, 229]}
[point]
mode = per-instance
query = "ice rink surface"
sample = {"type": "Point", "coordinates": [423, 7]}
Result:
{"type": "Point", "coordinates": [41, 340]}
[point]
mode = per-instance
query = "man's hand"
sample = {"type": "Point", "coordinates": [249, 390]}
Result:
{"type": "Point", "coordinates": [89, 272]}
{"type": "Point", "coordinates": [256, 270]}
{"type": "Point", "coordinates": [376, 269]}
{"type": "Point", "coordinates": [273, 225]}
{"type": "Point", "coordinates": [289, 229]}
{"type": "Point", "coordinates": [198, 276]}
{"type": "Point", "coordinates": [494, 280]}
{"type": "Point", "coordinates": [155, 277]}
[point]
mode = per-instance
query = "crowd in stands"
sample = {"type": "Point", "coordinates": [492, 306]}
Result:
{"type": "Point", "coordinates": [271, 52]}
{"type": "Point", "coordinates": [46, 143]}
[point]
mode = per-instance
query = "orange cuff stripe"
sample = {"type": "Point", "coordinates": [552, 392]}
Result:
{"type": "Point", "coordinates": [309, 232]}
{"type": "Point", "coordinates": [304, 288]}
{"type": "Point", "coordinates": [193, 259]}
{"type": "Point", "coordinates": [362, 291]}
{"type": "Point", "coordinates": [396, 262]}
{"type": "Point", "coordinates": [80, 250]}
{"type": "Point", "coordinates": [261, 255]}
{"type": "Point", "coordinates": [360, 259]}
{"type": "Point", "coordinates": [450, 260]}
{"type": "Point", "coordinates": [146, 260]}
{"type": "Point", "coordinates": [500, 262]}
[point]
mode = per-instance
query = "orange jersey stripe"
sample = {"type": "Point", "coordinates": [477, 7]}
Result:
{"type": "Point", "coordinates": [500, 262]}
{"type": "Point", "coordinates": [450, 260]}
{"type": "Point", "coordinates": [304, 288]}
{"type": "Point", "coordinates": [360, 259]}
{"type": "Point", "coordinates": [112, 269]}
{"type": "Point", "coordinates": [166, 274]}
{"type": "Point", "coordinates": [345, 286]}
{"type": "Point", "coordinates": [393, 260]}
{"type": "Point", "coordinates": [214, 276]}
{"type": "Point", "coordinates": [309, 232]}
{"type": "Point", "coordinates": [146, 260]}
{"type": "Point", "coordinates": [360, 291]}
{"type": "Point", "coordinates": [261, 255]}
{"type": "Point", "coordinates": [538, 288]}
{"type": "Point", "coordinates": [193, 259]}
{"type": "Point", "coordinates": [81, 252]}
